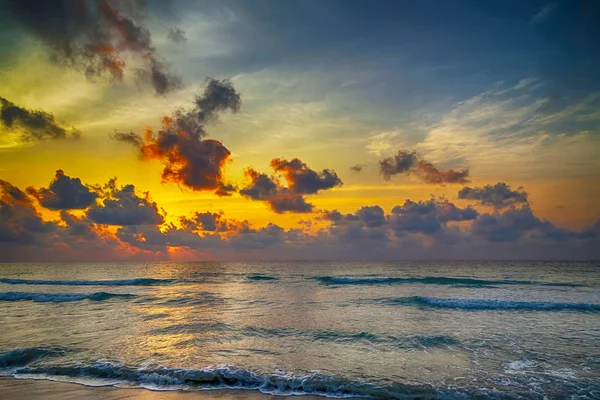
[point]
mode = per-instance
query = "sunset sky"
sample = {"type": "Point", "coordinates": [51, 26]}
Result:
{"type": "Point", "coordinates": [299, 129]}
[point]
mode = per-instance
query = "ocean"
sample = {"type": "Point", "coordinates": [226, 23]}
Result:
{"type": "Point", "coordinates": [415, 330]}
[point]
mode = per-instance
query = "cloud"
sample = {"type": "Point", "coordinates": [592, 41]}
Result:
{"type": "Point", "coordinates": [34, 124]}
{"type": "Point", "coordinates": [431, 174]}
{"type": "Point", "coordinates": [303, 180]}
{"type": "Point", "coordinates": [381, 143]}
{"type": "Point", "coordinates": [403, 162]}
{"type": "Point", "coordinates": [498, 196]}
{"type": "Point", "coordinates": [93, 37]}
{"type": "Point", "coordinates": [19, 220]}
{"type": "Point", "coordinates": [151, 238]}
{"type": "Point", "coordinates": [511, 225]}
{"type": "Point", "coordinates": [177, 35]}
{"type": "Point", "coordinates": [123, 207]}
{"type": "Point", "coordinates": [206, 221]}
{"type": "Point", "coordinates": [300, 180]}
{"type": "Point", "coordinates": [129, 137]}
{"type": "Point", "coordinates": [280, 199]}
{"type": "Point", "coordinates": [427, 217]}
{"type": "Point", "coordinates": [261, 238]}
{"type": "Point", "coordinates": [225, 190]}
{"type": "Point", "coordinates": [82, 235]}
{"type": "Point", "coordinates": [64, 193]}
{"type": "Point", "coordinates": [519, 127]}
{"type": "Point", "coordinates": [432, 229]}
{"type": "Point", "coordinates": [544, 13]}
{"type": "Point", "coordinates": [189, 158]}
{"type": "Point", "coordinates": [371, 216]}
{"type": "Point", "coordinates": [332, 216]}
{"type": "Point", "coordinates": [358, 167]}
{"type": "Point", "coordinates": [409, 162]}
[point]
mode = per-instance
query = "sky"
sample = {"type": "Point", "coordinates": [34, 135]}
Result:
{"type": "Point", "coordinates": [267, 130]}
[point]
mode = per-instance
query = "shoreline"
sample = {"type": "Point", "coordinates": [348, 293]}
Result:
{"type": "Point", "coordinates": [13, 388]}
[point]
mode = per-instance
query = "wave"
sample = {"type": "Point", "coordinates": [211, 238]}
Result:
{"type": "Point", "coordinates": [487, 304]}
{"type": "Point", "coordinates": [430, 280]}
{"type": "Point", "coordinates": [260, 277]}
{"type": "Point", "coordinates": [21, 357]}
{"type": "Point", "coordinates": [232, 332]}
{"type": "Point", "coordinates": [404, 342]}
{"type": "Point", "coordinates": [120, 282]}
{"type": "Point", "coordinates": [60, 297]}
{"type": "Point", "coordinates": [220, 377]}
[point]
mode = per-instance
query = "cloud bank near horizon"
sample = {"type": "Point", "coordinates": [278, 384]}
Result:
{"type": "Point", "coordinates": [112, 222]}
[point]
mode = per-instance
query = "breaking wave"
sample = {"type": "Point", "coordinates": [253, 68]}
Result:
{"type": "Point", "coordinates": [218, 377]}
{"type": "Point", "coordinates": [60, 297]}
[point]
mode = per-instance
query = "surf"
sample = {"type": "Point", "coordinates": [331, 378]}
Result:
{"type": "Point", "coordinates": [60, 297]}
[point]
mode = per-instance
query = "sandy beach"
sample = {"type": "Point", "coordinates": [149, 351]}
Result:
{"type": "Point", "coordinates": [11, 388]}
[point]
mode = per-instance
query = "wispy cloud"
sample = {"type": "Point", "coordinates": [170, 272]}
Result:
{"type": "Point", "coordinates": [544, 13]}
{"type": "Point", "coordinates": [514, 126]}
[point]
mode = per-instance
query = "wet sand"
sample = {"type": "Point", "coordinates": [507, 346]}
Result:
{"type": "Point", "coordinates": [41, 389]}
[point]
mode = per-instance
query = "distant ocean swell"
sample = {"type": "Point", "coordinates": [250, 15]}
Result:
{"type": "Point", "coordinates": [429, 280]}
{"type": "Point", "coordinates": [121, 282]}
{"type": "Point", "coordinates": [326, 280]}
{"type": "Point", "coordinates": [129, 282]}
{"type": "Point", "coordinates": [60, 297]}
{"type": "Point", "coordinates": [486, 304]}
{"type": "Point", "coordinates": [260, 277]}
{"type": "Point", "coordinates": [414, 301]}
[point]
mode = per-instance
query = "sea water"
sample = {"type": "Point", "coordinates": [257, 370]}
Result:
{"type": "Point", "coordinates": [340, 329]}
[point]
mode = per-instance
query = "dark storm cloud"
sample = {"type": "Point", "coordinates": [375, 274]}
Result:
{"type": "Point", "coordinates": [410, 163]}
{"type": "Point", "coordinates": [498, 196]}
{"type": "Point", "coordinates": [300, 179]}
{"type": "Point", "coordinates": [124, 207]}
{"type": "Point", "coordinates": [189, 158]}
{"type": "Point", "coordinates": [358, 167]}
{"type": "Point", "coordinates": [92, 36]}
{"type": "Point", "coordinates": [35, 124]}
{"type": "Point", "coordinates": [64, 193]}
